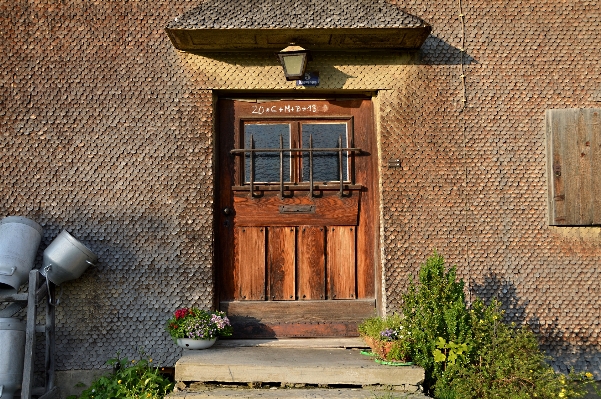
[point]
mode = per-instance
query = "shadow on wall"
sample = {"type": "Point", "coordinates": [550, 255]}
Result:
{"type": "Point", "coordinates": [121, 303]}
{"type": "Point", "coordinates": [502, 289]}
{"type": "Point", "coordinates": [245, 326]}
{"type": "Point", "coordinates": [436, 51]}
{"type": "Point", "coordinates": [566, 356]}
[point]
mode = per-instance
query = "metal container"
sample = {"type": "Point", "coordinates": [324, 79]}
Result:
{"type": "Point", "coordinates": [12, 342]}
{"type": "Point", "coordinates": [66, 259]}
{"type": "Point", "coordinates": [19, 241]}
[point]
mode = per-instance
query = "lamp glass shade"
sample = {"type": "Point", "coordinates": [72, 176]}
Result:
{"type": "Point", "coordinates": [294, 62]}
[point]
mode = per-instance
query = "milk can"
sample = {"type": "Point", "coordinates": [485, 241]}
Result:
{"type": "Point", "coordinates": [66, 259]}
{"type": "Point", "coordinates": [12, 342]}
{"type": "Point", "coordinates": [19, 240]}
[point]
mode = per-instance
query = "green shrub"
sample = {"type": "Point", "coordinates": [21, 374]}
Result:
{"type": "Point", "coordinates": [471, 353]}
{"type": "Point", "coordinates": [508, 363]}
{"type": "Point", "coordinates": [129, 380]}
{"type": "Point", "coordinates": [434, 308]}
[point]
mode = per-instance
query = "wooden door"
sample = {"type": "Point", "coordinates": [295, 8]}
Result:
{"type": "Point", "coordinates": [295, 214]}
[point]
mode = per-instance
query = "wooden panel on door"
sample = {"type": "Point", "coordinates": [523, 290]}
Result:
{"type": "Point", "coordinates": [281, 263]}
{"type": "Point", "coordinates": [311, 279]}
{"type": "Point", "coordinates": [250, 262]}
{"type": "Point", "coordinates": [341, 248]}
{"type": "Point", "coordinates": [328, 209]}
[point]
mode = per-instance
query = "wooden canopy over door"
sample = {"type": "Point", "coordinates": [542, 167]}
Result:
{"type": "Point", "coordinates": [296, 237]}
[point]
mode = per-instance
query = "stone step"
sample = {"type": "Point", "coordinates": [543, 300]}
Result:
{"type": "Point", "coordinates": [295, 362]}
{"type": "Point", "coordinates": [282, 393]}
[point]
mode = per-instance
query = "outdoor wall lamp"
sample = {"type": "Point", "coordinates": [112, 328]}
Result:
{"type": "Point", "coordinates": [294, 61]}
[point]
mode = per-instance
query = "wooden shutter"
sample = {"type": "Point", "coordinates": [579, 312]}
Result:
{"type": "Point", "coordinates": [574, 166]}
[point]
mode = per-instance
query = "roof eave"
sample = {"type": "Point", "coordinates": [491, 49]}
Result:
{"type": "Point", "coordinates": [332, 39]}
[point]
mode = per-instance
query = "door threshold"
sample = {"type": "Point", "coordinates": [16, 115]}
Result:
{"type": "Point", "coordinates": [281, 367]}
{"type": "Point", "coordinates": [343, 342]}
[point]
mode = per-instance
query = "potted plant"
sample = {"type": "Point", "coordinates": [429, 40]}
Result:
{"type": "Point", "coordinates": [388, 341]}
{"type": "Point", "coordinates": [193, 328]}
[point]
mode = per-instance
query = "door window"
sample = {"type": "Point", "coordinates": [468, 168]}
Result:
{"type": "Point", "coordinates": [265, 167]}
{"type": "Point", "coordinates": [296, 152]}
{"type": "Point", "coordinates": [326, 164]}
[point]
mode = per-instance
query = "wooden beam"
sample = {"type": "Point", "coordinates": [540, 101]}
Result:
{"type": "Point", "coordinates": [30, 335]}
{"type": "Point", "coordinates": [301, 311]}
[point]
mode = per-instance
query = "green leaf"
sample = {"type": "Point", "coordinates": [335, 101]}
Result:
{"type": "Point", "coordinates": [452, 357]}
{"type": "Point", "coordinates": [462, 348]}
{"type": "Point", "coordinates": [439, 356]}
{"type": "Point", "coordinates": [441, 343]}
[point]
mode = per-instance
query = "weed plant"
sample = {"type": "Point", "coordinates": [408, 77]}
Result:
{"type": "Point", "coordinates": [129, 380]}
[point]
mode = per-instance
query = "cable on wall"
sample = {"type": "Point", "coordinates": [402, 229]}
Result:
{"type": "Point", "coordinates": [464, 133]}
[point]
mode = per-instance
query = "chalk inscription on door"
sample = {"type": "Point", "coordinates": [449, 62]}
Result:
{"type": "Point", "coordinates": [287, 109]}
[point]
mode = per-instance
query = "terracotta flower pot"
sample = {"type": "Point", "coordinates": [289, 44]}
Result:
{"type": "Point", "coordinates": [381, 348]}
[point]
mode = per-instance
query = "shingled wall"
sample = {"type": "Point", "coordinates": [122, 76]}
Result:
{"type": "Point", "coordinates": [107, 131]}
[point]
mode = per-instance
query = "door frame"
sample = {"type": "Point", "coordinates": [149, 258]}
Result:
{"type": "Point", "coordinates": [374, 165]}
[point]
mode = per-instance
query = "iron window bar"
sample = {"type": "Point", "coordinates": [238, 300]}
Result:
{"type": "Point", "coordinates": [311, 150]}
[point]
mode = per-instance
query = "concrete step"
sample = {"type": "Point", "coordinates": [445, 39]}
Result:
{"type": "Point", "coordinates": [332, 363]}
{"type": "Point", "coordinates": [270, 393]}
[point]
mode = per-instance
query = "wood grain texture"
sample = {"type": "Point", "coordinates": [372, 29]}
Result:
{"type": "Point", "coordinates": [556, 194]}
{"type": "Point", "coordinates": [273, 319]}
{"type": "Point", "coordinates": [311, 273]}
{"type": "Point", "coordinates": [252, 329]}
{"type": "Point", "coordinates": [298, 311]}
{"type": "Point", "coordinates": [30, 336]}
{"type": "Point", "coordinates": [226, 274]}
{"type": "Point", "coordinates": [340, 255]}
{"type": "Point", "coordinates": [573, 164]}
{"type": "Point", "coordinates": [583, 143]}
{"type": "Point", "coordinates": [281, 263]}
{"type": "Point", "coordinates": [595, 156]}
{"type": "Point", "coordinates": [265, 211]}
{"type": "Point", "coordinates": [250, 262]}
{"type": "Point", "coordinates": [50, 355]}
{"type": "Point", "coordinates": [366, 172]}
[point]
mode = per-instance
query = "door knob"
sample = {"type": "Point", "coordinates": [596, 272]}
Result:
{"type": "Point", "coordinates": [227, 211]}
